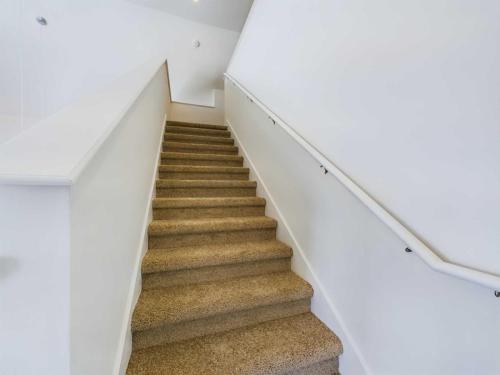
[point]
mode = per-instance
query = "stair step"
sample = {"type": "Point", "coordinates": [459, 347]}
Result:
{"type": "Point", "coordinates": [200, 148]}
{"type": "Point", "coordinates": [194, 208]}
{"type": "Point", "coordinates": [205, 308]}
{"type": "Point", "coordinates": [197, 131]}
{"type": "Point", "coordinates": [299, 344]}
{"type": "Point", "coordinates": [161, 260]}
{"type": "Point", "coordinates": [198, 139]}
{"type": "Point", "coordinates": [195, 125]}
{"type": "Point", "coordinates": [197, 264]}
{"type": "Point", "coordinates": [157, 307]}
{"type": "Point", "coordinates": [193, 172]}
{"type": "Point", "coordinates": [205, 188]}
{"type": "Point", "coordinates": [178, 158]}
{"type": "Point", "coordinates": [218, 295]}
{"type": "Point", "coordinates": [177, 233]}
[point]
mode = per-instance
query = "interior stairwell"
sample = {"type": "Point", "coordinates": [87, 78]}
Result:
{"type": "Point", "coordinates": [218, 294]}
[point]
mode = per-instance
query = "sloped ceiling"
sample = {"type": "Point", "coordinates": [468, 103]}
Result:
{"type": "Point", "coordinates": [226, 14]}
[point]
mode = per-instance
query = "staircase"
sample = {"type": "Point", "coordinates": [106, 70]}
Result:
{"type": "Point", "coordinates": [218, 295]}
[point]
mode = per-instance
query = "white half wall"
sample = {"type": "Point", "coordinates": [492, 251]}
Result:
{"type": "Point", "coordinates": [73, 229]}
{"type": "Point", "coordinates": [403, 96]}
{"type": "Point", "coordinates": [109, 217]}
{"type": "Point", "coordinates": [394, 314]}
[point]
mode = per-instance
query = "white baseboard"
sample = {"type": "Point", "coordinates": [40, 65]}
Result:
{"type": "Point", "coordinates": [125, 344]}
{"type": "Point", "coordinates": [300, 263]}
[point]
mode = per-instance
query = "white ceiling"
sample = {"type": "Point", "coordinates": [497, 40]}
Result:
{"type": "Point", "coordinates": [227, 14]}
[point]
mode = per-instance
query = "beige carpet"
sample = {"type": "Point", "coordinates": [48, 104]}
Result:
{"type": "Point", "coordinates": [218, 293]}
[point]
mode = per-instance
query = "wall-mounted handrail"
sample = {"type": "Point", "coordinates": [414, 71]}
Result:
{"type": "Point", "coordinates": [414, 244]}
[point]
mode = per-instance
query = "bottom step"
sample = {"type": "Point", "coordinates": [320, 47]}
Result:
{"type": "Point", "coordinates": [296, 345]}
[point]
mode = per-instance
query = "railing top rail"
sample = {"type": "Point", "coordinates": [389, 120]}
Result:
{"type": "Point", "coordinates": [414, 244]}
{"type": "Point", "coordinates": [57, 149]}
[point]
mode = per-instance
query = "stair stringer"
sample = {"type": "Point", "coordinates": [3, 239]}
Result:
{"type": "Point", "coordinates": [321, 304]}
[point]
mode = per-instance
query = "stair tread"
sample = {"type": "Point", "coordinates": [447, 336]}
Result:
{"type": "Point", "coordinates": [199, 146]}
{"type": "Point", "coordinates": [225, 224]}
{"type": "Point", "coordinates": [195, 156]}
{"type": "Point", "coordinates": [208, 202]}
{"type": "Point", "coordinates": [167, 183]}
{"type": "Point", "coordinates": [198, 138]}
{"type": "Point", "coordinates": [196, 125]}
{"type": "Point", "coordinates": [274, 347]}
{"type": "Point", "coordinates": [190, 257]}
{"type": "Point", "coordinates": [202, 169]}
{"type": "Point", "coordinates": [189, 130]}
{"type": "Point", "coordinates": [157, 307]}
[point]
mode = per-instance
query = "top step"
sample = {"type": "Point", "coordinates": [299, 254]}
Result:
{"type": "Point", "coordinates": [194, 125]}
{"type": "Point", "coordinates": [197, 131]}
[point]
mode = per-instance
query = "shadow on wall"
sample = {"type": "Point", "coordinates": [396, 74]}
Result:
{"type": "Point", "coordinates": [184, 112]}
{"type": "Point", "coordinates": [8, 265]}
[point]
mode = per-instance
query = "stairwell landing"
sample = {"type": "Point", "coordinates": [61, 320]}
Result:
{"type": "Point", "coordinates": [218, 294]}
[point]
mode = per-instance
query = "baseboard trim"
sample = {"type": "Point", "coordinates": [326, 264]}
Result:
{"type": "Point", "coordinates": [314, 280]}
{"type": "Point", "coordinates": [125, 343]}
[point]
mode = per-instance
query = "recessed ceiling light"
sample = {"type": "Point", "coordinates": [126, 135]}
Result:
{"type": "Point", "coordinates": [195, 1]}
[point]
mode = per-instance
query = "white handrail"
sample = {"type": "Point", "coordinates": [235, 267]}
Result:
{"type": "Point", "coordinates": [414, 244]}
{"type": "Point", "coordinates": [58, 149]}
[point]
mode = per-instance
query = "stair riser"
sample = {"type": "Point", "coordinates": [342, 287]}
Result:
{"type": "Point", "coordinates": [203, 163]}
{"type": "Point", "coordinates": [192, 139]}
{"type": "Point", "coordinates": [204, 192]}
{"type": "Point", "coordinates": [327, 367]}
{"type": "Point", "coordinates": [203, 176]}
{"type": "Point", "coordinates": [215, 273]}
{"type": "Point", "coordinates": [192, 149]}
{"type": "Point", "coordinates": [196, 126]}
{"type": "Point", "coordinates": [218, 323]}
{"type": "Point", "coordinates": [207, 212]}
{"type": "Point", "coordinates": [197, 131]}
{"type": "Point", "coordinates": [190, 239]}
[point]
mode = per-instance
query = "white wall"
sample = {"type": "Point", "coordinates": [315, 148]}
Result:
{"type": "Point", "coordinates": [88, 44]}
{"type": "Point", "coordinates": [402, 96]}
{"type": "Point", "coordinates": [34, 280]}
{"type": "Point", "coordinates": [394, 314]}
{"type": "Point", "coordinates": [200, 114]}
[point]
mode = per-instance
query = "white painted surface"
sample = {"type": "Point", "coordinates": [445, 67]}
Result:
{"type": "Point", "coordinates": [394, 315]}
{"type": "Point", "coordinates": [403, 97]}
{"type": "Point", "coordinates": [34, 280]}
{"type": "Point", "coordinates": [321, 304]}
{"type": "Point", "coordinates": [56, 151]}
{"type": "Point", "coordinates": [70, 255]}
{"type": "Point", "coordinates": [198, 114]}
{"type": "Point", "coordinates": [125, 342]}
{"type": "Point", "coordinates": [413, 243]}
{"type": "Point", "coordinates": [109, 206]}
{"type": "Point", "coordinates": [10, 56]}
{"type": "Point", "coordinates": [227, 14]}
{"type": "Point", "coordinates": [89, 44]}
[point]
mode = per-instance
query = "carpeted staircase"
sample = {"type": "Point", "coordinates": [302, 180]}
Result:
{"type": "Point", "coordinates": [218, 295]}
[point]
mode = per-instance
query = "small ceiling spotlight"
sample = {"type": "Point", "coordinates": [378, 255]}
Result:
{"type": "Point", "coordinates": [196, 43]}
{"type": "Point", "coordinates": [195, 1]}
